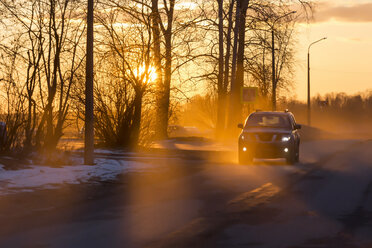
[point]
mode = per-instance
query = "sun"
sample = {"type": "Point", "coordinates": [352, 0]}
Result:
{"type": "Point", "coordinates": [148, 76]}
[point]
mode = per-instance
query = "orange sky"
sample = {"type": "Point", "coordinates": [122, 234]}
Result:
{"type": "Point", "coordinates": [342, 63]}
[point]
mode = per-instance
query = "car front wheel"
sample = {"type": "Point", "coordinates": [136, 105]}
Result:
{"type": "Point", "coordinates": [297, 154]}
{"type": "Point", "coordinates": [292, 156]}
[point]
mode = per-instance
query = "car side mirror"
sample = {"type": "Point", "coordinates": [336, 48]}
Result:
{"type": "Point", "coordinates": [298, 126]}
{"type": "Point", "coordinates": [240, 126]}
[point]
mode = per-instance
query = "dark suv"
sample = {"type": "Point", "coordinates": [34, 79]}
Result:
{"type": "Point", "coordinates": [269, 135]}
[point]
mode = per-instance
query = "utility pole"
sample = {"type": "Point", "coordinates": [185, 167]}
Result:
{"type": "Point", "coordinates": [308, 81]}
{"type": "Point", "coordinates": [308, 90]}
{"type": "Point", "coordinates": [89, 128]}
{"type": "Point", "coordinates": [273, 95]}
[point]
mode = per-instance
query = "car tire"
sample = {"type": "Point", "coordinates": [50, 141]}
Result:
{"type": "Point", "coordinates": [292, 157]}
{"type": "Point", "coordinates": [297, 159]}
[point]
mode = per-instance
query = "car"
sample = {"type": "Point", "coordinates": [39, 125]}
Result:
{"type": "Point", "coordinates": [183, 131]}
{"type": "Point", "coordinates": [270, 134]}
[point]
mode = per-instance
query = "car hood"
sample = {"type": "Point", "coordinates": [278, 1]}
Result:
{"type": "Point", "coordinates": [266, 130]}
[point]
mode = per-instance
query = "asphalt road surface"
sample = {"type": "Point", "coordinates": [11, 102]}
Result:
{"type": "Point", "coordinates": [205, 199]}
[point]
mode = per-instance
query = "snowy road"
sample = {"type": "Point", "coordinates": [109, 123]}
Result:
{"type": "Point", "coordinates": [180, 200]}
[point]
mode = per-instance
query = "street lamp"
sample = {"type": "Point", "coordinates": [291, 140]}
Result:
{"type": "Point", "coordinates": [308, 81]}
{"type": "Point", "coordinates": [89, 129]}
{"type": "Point", "coordinates": [273, 96]}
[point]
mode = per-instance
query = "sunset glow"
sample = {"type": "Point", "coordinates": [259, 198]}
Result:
{"type": "Point", "coordinates": [342, 62]}
{"type": "Point", "coordinates": [146, 77]}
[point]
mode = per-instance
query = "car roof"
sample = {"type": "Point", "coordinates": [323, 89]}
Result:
{"type": "Point", "coordinates": [271, 113]}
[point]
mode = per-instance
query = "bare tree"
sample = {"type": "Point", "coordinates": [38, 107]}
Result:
{"type": "Point", "coordinates": [224, 54]}
{"type": "Point", "coordinates": [259, 56]}
{"type": "Point", "coordinates": [125, 53]}
{"type": "Point", "coordinates": [285, 38]}
{"type": "Point", "coordinates": [51, 32]}
{"type": "Point", "coordinates": [237, 78]}
{"type": "Point", "coordinates": [12, 97]}
{"type": "Point", "coordinates": [167, 26]}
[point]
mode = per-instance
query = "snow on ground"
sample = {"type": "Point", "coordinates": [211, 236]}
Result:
{"type": "Point", "coordinates": [113, 152]}
{"type": "Point", "coordinates": [37, 176]}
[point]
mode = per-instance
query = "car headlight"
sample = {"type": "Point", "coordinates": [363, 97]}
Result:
{"type": "Point", "coordinates": [286, 138]}
{"type": "Point", "coordinates": [246, 137]}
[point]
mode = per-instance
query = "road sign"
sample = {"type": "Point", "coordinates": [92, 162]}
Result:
{"type": "Point", "coordinates": [249, 94]}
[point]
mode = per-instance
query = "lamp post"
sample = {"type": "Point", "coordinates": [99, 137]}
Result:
{"type": "Point", "coordinates": [308, 81]}
{"type": "Point", "coordinates": [89, 129]}
{"type": "Point", "coordinates": [273, 95]}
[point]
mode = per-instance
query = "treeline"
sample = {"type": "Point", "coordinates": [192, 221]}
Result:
{"type": "Point", "coordinates": [149, 56]}
{"type": "Point", "coordinates": [337, 112]}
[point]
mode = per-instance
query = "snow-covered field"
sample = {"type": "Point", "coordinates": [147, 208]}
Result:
{"type": "Point", "coordinates": [47, 177]}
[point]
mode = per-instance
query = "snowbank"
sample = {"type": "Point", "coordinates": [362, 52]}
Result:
{"type": "Point", "coordinates": [45, 177]}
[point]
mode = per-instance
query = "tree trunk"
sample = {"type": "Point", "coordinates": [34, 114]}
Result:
{"type": "Point", "coordinates": [155, 27]}
{"type": "Point", "coordinates": [220, 125]}
{"type": "Point", "coordinates": [235, 114]}
{"type": "Point", "coordinates": [164, 93]}
{"type": "Point", "coordinates": [164, 101]}
{"type": "Point", "coordinates": [224, 98]}
{"type": "Point", "coordinates": [228, 46]}
{"type": "Point", "coordinates": [136, 126]}
{"type": "Point", "coordinates": [28, 134]}
{"type": "Point", "coordinates": [233, 66]}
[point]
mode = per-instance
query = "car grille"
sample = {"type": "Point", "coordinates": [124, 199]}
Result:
{"type": "Point", "coordinates": [265, 136]}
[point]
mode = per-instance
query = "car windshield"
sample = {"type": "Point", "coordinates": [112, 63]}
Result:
{"type": "Point", "coordinates": [265, 120]}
